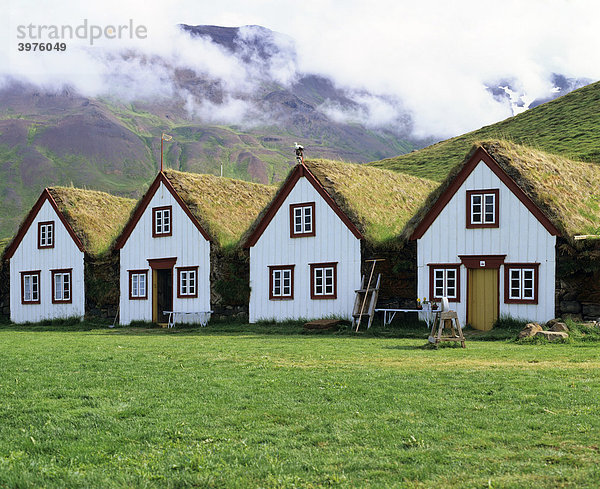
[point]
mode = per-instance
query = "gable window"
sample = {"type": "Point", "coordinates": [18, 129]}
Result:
{"type": "Point", "coordinates": [302, 220]}
{"type": "Point", "coordinates": [281, 282]}
{"type": "Point", "coordinates": [46, 234]}
{"type": "Point", "coordinates": [61, 286]}
{"type": "Point", "coordinates": [482, 208]}
{"type": "Point", "coordinates": [444, 281]}
{"type": "Point", "coordinates": [162, 223]}
{"type": "Point", "coordinates": [323, 281]}
{"type": "Point", "coordinates": [30, 287]}
{"type": "Point", "coordinates": [187, 279]}
{"type": "Point", "coordinates": [138, 284]}
{"type": "Point", "coordinates": [521, 283]}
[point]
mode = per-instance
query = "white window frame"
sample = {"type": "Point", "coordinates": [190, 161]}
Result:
{"type": "Point", "coordinates": [525, 284]}
{"type": "Point", "coordinates": [188, 283]}
{"type": "Point", "coordinates": [138, 284]}
{"type": "Point", "coordinates": [62, 286]}
{"type": "Point", "coordinates": [323, 281]}
{"type": "Point", "coordinates": [483, 211]}
{"type": "Point", "coordinates": [46, 237]}
{"type": "Point", "coordinates": [302, 218]}
{"type": "Point", "coordinates": [442, 277]}
{"type": "Point", "coordinates": [163, 221]}
{"type": "Point", "coordinates": [34, 287]}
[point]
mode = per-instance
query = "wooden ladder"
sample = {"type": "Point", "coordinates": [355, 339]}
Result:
{"type": "Point", "coordinates": [362, 296]}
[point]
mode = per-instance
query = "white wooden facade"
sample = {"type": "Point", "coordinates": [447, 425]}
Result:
{"type": "Point", "coordinates": [140, 250]}
{"type": "Point", "coordinates": [333, 243]}
{"type": "Point", "coordinates": [519, 238]}
{"type": "Point", "coordinates": [64, 256]}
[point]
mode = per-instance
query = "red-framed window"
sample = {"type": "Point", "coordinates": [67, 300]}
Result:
{"type": "Point", "coordinates": [323, 281]}
{"type": "Point", "coordinates": [281, 282]}
{"type": "Point", "coordinates": [444, 281]}
{"type": "Point", "coordinates": [30, 287]}
{"type": "Point", "coordinates": [162, 221]}
{"type": "Point", "coordinates": [483, 208]}
{"type": "Point", "coordinates": [138, 284]}
{"type": "Point", "coordinates": [302, 220]}
{"type": "Point", "coordinates": [521, 283]}
{"type": "Point", "coordinates": [187, 282]}
{"type": "Point", "coordinates": [46, 234]}
{"type": "Point", "coordinates": [62, 286]}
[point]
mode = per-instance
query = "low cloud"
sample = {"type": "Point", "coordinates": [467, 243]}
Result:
{"type": "Point", "coordinates": [432, 68]}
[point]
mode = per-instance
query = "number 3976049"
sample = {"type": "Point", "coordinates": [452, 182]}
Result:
{"type": "Point", "coordinates": [42, 46]}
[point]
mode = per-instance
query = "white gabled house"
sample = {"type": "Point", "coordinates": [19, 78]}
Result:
{"type": "Point", "coordinates": [167, 249]}
{"type": "Point", "coordinates": [65, 227]}
{"type": "Point", "coordinates": [487, 237]}
{"type": "Point", "coordinates": [305, 254]}
{"type": "Point", "coordinates": [164, 258]}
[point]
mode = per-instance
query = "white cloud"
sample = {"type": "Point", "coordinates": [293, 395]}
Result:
{"type": "Point", "coordinates": [431, 59]}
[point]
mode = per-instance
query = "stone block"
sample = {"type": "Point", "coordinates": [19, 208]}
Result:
{"type": "Point", "coordinates": [559, 327]}
{"type": "Point", "coordinates": [553, 335]}
{"type": "Point", "coordinates": [570, 307]}
{"type": "Point", "coordinates": [529, 330]}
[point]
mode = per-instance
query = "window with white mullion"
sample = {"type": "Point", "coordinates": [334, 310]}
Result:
{"type": "Point", "coordinates": [281, 283]}
{"type": "Point", "coordinates": [31, 288]}
{"type": "Point", "coordinates": [522, 284]}
{"type": "Point", "coordinates": [62, 286]}
{"type": "Point", "coordinates": [490, 209]}
{"type": "Point", "coordinates": [324, 281]}
{"type": "Point", "coordinates": [302, 219]}
{"type": "Point", "coordinates": [476, 214]}
{"type": "Point", "coordinates": [187, 282]}
{"type": "Point", "coordinates": [445, 283]}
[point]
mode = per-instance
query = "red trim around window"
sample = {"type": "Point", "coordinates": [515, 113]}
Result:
{"type": "Point", "coordinates": [138, 272]}
{"type": "Point", "coordinates": [281, 297]}
{"type": "Point", "coordinates": [45, 223]}
{"type": "Point", "coordinates": [186, 296]}
{"type": "Point", "coordinates": [68, 271]}
{"type": "Point", "coordinates": [293, 233]}
{"type": "Point", "coordinates": [31, 272]}
{"type": "Point", "coordinates": [312, 280]}
{"type": "Point", "coordinates": [438, 266]}
{"type": "Point", "coordinates": [536, 281]}
{"type": "Point", "coordinates": [496, 193]}
{"type": "Point", "coordinates": [154, 211]}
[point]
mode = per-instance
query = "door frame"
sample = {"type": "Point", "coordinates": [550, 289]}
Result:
{"type": "Point", "coordinates": [160, 264]}
{"type": "Point", "coordinates": [475, 262]}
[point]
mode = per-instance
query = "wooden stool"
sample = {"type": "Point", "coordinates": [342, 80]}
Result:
{"type": "Point", "coordinates": [446, 320]}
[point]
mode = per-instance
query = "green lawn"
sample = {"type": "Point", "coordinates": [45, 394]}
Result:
{"type": "Point", "coordinates": [93, 407]}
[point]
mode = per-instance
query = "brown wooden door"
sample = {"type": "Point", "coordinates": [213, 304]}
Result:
{"type": "Point", "coordinates": [483, 298]}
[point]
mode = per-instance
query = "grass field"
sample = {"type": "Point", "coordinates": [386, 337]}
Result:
{"type": "Point", "coordinates": [85, 406]}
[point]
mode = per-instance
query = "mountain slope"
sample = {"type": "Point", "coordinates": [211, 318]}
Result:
{"type": "Point", "coordinates": [567, 126]}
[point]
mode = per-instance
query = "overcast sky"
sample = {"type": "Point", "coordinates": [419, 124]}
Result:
{"type": "Point", "coordinates": [431, 58]}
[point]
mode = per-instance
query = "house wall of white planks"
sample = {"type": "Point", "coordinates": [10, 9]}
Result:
{"type": "Point", "coordinates": [186, 244]}
{"type": "Point", "coordinates": [520, 237]}
{"type": "Point", "coordinates": [333, 242]}
{"type": "Point", "coordinates": [28, 257]}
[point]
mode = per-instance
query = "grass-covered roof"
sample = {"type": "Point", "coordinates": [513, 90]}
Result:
{"type": "Point", "coordinates": [96, 217]}
{"type": "Point", "coordinates": [378, 202]}
{"type": "Point", "coordinates": [566, 191]}
{"type": "Point", "coordinates": [224, 207]}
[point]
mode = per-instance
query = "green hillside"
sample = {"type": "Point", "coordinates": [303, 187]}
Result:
{"type": "Point", "coordinates": [568, 126]}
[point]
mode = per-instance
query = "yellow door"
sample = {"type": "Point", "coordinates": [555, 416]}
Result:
{"type": "Point", "coordinates": [154, 296]}
{"type": "Point", "coordinates": [483, 298]}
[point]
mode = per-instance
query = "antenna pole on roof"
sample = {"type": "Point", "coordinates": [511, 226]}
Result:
{"type": "Point", "coordinates": [164, 137]}
{"type": "Point", "coordinates": [299, 153]}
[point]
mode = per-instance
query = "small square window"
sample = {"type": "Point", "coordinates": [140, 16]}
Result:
{"type": "Point", "coordinates": [162, 224]}
{"type": "Point", "coordinates": [323, 284]}
{"type": "Point", "coordinates": [46, 234]}
{"type": "Point", "coordinates": [521, 283]}
{"type": "Point", "coordinates": [281, 282]}
{"type": "Point", "coordinates": [444, 282]}
{"type": "Point", "coordinates": [302, 220]}
{"type": "Point", "coordinates": [482, 208]}
{"type": "Point", "coordinates": [187, 278]}
{"type": "Point", "coordinates": [138, 284]}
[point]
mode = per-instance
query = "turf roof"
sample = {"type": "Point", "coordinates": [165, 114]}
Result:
{"type": "Point", "coordinates": [378, 202]}
{"type": "Point", "coordinates": [566, 191]}
{"type": "Point", "coordinates": [96, 217]}
{"type": "Point", "coordinates": [224, 207]}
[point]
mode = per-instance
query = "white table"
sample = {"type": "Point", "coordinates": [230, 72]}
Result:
{"type": "Point", "coordinates": [389, 314]}
{"type": "Point", "coordinates": [176, 316]}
